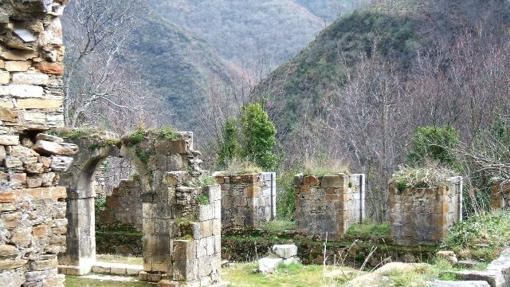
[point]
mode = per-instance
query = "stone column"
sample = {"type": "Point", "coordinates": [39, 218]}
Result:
{"type": "Point", "coordinates": [181, 217]}
{"type": "Point", "coordinates": [329, 204]}
{"type": "Point", "coordinates": [423, 216]}
{"type": "Point", "coordinates": [95, 147]}
{"type": "Point", "coordinates": [248, 200]}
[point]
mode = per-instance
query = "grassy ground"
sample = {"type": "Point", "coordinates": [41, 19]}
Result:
{"type": "Point", "coordinates": [73, 281]}
{"type": "Point", "coordinates": [295, 275]}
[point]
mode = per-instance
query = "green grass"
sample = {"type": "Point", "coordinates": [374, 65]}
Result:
{"type": "Point", "coordinates": [73, 281]}
{"type": "Point", "coordinates": [369, 230]}
{"type": "Point", "coordinates": [480, 237]}
{"type": "Point", "coordinates": [294, 275]}
{"type": "Point", "coordinates": [277, 226]}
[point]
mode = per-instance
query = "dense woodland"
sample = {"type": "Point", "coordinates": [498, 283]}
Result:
{"type": "Point", "coordinates": [379, 81]}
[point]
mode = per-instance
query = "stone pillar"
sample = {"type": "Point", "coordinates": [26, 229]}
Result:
{"type": "Point", "coordinates": [423, 216]}
{"type": "Point", "coordinates": [500, 194]}
{"type": "Point", "coordinates": [95, 147]}
{"type": "Point", "coordinates": [329, 204]}
{"type": "Point", "coordinates": [247, 200]}
{"type": "Point", "coordinates": [32, 210]}
{"type": "Point", "coordinates": [181, 218]}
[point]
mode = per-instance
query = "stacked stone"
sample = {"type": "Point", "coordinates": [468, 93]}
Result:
{"type": "Point", "coordinates": [31, 56]}
{"type": "Point", "coordinates": [181, 219]}
{"type": "Point", "coordinates": [285, 254]}
{"type": "Point", "coordinates": [32, 213]}
{"type": "Point", "coordinates": [329, 204]}
{"type": "Point", "coordinates": [248, 200]}
{"type": "Point", "coordinates": [124, 205]}
{"type": "Point", "coordinates": [423, 216]}
{"type": "Point", "coordinates": [500, 194]}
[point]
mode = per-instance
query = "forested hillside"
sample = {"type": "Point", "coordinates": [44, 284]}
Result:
{"type": "Point", "coordinates": [359, 91]}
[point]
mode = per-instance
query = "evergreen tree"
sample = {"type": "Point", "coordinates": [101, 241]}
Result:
{"type": "Point", "coordinates": [229, 146]}
{"type": "Point", "coordinates": [259, 136]}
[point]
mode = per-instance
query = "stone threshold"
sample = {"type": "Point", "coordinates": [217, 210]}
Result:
{"type": "Point", "coordinates": [118, 269]}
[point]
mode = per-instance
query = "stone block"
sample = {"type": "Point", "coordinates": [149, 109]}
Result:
{"type": "Point", "coordinates": [42, 104]}
{"type": "Point", "coordinates": [285, 251]}
{"type": "Point", "coordinates": [8, 251]}
{"type": "Point", "coordinates": [12, 264]}
{"type": "Point", "coordinates": [51, 68]}
{"type": "Point", "coordinates": [9, 140]}
{"type": "Point", "coordinates": [205, 212]}
{"type": "Point", "coordinates": [5, 77]}
{"type": "Point", "coordinates": [183, 249]}
{"type": "Point", "coordinates": [494, 278]}
{"type": "Point", "coordinates": [61, 163]}
{"type": "Point", "coordinates": [30, 78]}
{"type": "Point", "coordinates": [22, 91]}
{"type": "Point", "coordinates": [17, 66]}
{"type": "Point", "coordinates": [46, 263]}
{"type": "Point", "coordinates": [52, 148]}
{"type": "Point", "coordinates": [269, 265]}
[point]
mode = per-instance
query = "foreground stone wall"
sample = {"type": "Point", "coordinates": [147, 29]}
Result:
{"type": "Point", "coordinates": [32, 210]}
{"type": "Point", "coordinates": [423, 216]}
{"type": "Point", "coordinates": [500, 194]}
{"type": "Point", "coordinates": [328, 205]}
{"type": "Point", "coordinates": [247, 200]}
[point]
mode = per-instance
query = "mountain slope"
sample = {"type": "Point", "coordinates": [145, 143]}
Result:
{"type": "Point", "coordinates": [396, 32]}
{"type": "Point", "coordinates": [330, 10]}
{"type": "Point", "coordinates": [178, 66]}
{"type": "Point", "coordinates": [257, 35]}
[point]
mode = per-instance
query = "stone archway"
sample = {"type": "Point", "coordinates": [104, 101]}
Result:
{"type": "Point", "coordinates": [95, 146]}
{"type": "Point", "coordinates": [181, 216]}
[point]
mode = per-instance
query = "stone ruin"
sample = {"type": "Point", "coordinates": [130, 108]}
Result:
{"type": "Point", "coordinates": [327, 205]}
{"type": "Point", "coordinates": [180, 218]}
{"type": "Point", "coordinates": [40, 218]}
{"type": "Point", "coordinates": [247, 200]}
{"type": "Point", "coordinates": [500, 194]}
{"type": "Point", "coordinates": [124, 205]}
{"type": "Point", "coordinates": [32, 205]}
{"type": "Point", "coordinates": [423, 216]}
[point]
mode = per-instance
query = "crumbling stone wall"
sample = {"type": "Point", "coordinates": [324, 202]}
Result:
{"type": "Point", "coordinates": [423, 216]}
{"type": "Point", "coordinates": [124, 205]}
{"type": "Point", "coordinates": [32, 210]}
{"type": "Point", "coordinates": [247, 200]}
{"type": "Point", "coordinates": [500, 194]}
{"type": "Point", "coordinates": [329, 204]}
{"type": "Point", "coordinates": [181, 218]}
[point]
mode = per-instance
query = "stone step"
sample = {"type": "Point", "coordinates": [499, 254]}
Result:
{"type": "Point", "coordinates": [119, 269]}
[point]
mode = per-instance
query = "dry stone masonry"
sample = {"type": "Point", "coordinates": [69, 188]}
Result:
{"type": "Point", "coordinates": [32, 206]}
{"type": "Point", "coordinates": [124, 206]}
{"type": "Point", "coordinates": [423, 216]}
{"type": "Point", "coordinates": [329, 204]}
{"type": "Point", "coordinates": [181, 217]}
{"type": "Point", "coordinates": [247, 200]}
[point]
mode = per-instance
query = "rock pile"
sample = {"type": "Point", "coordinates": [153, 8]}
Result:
{"type": "Point", "coordinates": [281, 254]}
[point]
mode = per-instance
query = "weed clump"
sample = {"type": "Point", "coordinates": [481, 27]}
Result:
{"type": "Point", "coordinates": [421, 177]}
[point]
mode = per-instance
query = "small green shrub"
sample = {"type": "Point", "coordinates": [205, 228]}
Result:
{"type": "Point", "coordinates": [480, 237]}
{"type": "Point", "coordinates": [203, 199]}
{"type": "Point", "coordinates": [229, 145]}
{"type": "Point", "coordinates": [168, 133]}
{"type": "Point", "coordinates": [285, 196]}
{"type": "Point", "coordinates": [136, 137]}
{"type": "Point", "coordinates": [436, 144]}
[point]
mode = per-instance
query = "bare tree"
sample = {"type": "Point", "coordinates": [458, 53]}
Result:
{"type": "Point", "coordinates": [96, 83]}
